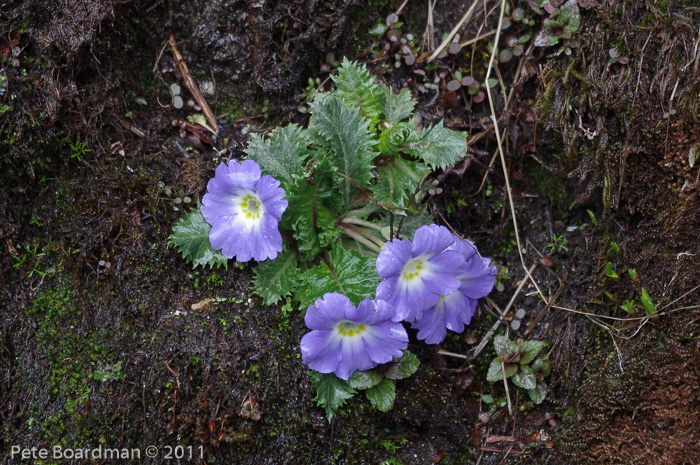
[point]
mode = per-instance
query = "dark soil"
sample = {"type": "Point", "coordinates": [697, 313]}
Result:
{"type": "Point", "coordinates": [99, 341]}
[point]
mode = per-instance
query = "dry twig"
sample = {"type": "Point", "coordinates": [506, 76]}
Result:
{"type": "Point", "coordinates": [192, 86]}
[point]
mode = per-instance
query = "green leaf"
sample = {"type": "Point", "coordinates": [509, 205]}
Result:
{"type": "Point", "coordinates": [647, 303]}
{"type": "Point", "coordinates": [365, 379]}
{"type": "Point", "coordinates": [358, 89]}
{"type": "Point", "coordinates": [357, 275]}
{"type": "Point", "coordinates": [191, 238]}
{"type": "Point", "coordinates": [538, 394]}
{"type": "Point", "coordinates": [275, 279]}
{"type": "Point", "coordinates": [398, 181]}
{"type": "Point", "coordinates": [347, 136]}
{"type": "Point", "coordinates": [332, 392]}
{"type": "Point", "coordinates": [313, 209]}
{"type": "Point", "coordinates": [391, 139]}
{"type": "Point", "coordinates": [437, 146]}
{"type": "Point", "coordinates": [283, 155]}
{"type": "Point", "coordinates": [504, 346]}
{"type": "Point", "coordinates": [495, 374]}
{"type": "Point", "coordinates": [402, 367]}
{"type": "Point", "coordinates": [525, 378]}
{"type": "Point", "coordinates": [541, 366]}
{"type": "Point", "coordinates": [397, 107]}
{"type": "Point", "coordinates": [528, 351]}
{"type": "Point", "coordinates": [609, 272]}
{"type": "Point", "coordinates": [382, 395]}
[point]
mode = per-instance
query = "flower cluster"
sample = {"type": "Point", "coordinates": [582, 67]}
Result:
{"type": "Point", "coordinates": [433, 283]}
{"type": "Point", "coordinates": [244, 210]}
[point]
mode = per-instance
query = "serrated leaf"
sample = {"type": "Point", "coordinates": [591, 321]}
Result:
{"type": "Point", "coordinates": [358, 89]}
{"type": "Point", "coordinates": [191, 238]}
{"type": "Point", "coordinates": [313, 209]}
{"type": "Point", "coordinates": [528, 351]}
{"type": "Point", "coordinates": [402, 367]}
{"type": "Point", "coordinates": [283, 155]}
{"type": "Point", "coordinates": [391, 139]}
{"type": "Point", "coordinates": [357, 275]}
{"type": "Point", "coordinates": [275, 279]}
{"type": "Point", "coordinates": [347, 136]}
{"type": "Point", "coordinates": [365, 379]}
{"type": "Point", "coordinates": [538, 394]}
{"type": "Point", "coordinates": [332, 392]}
{"type": "Point", "coordinates": [382, 395]}
{"type": "Point", "coordinates": [398, 181]}
{"type": "Point", "coordinates": [495, 374]}
{"type": "Point", "coordinates": [397, 107]}
{"type": "Point", "coordinates": [437, 146]}
{"type": "Point", "coordinates": [524, 378]}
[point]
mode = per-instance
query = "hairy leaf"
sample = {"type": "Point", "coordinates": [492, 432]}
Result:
{"type": "Point", "coordinates": [357, 275]}
{"type": "Point", "coordinates": [346, 134]}
{"type": "Point", "coordinates": [397, 107]}
{"type": "Point", "coordinates": [332, 392]}
{"type": "Point", "coordinates": [437, 146]}
{"type": "Point", "coordinates": [398, 182]}
{"type": "Point", "coordinates": [191, 238]}
{"type": "Point", "coordinates": [403, 367]}
{"type": "Point", "coordinates": [391, 139]}
{"type": "Point", "coordinates": [358, 89]}
{"type": "Point", "coordinates": [275, 279]}
{"type": "Point", "coordinates": [382, 395]}
{"type": "Point", "coordinates": [283, 154]}
{"type": "Point", "coordinates": [314, 205]}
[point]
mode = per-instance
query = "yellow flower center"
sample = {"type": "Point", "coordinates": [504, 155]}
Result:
{"type": "Point", "coordinates": [251, 207]}
{"type": "Point", "coordinates": [412, 269]}
{"type": "Point", "coordinates": [347, 328]}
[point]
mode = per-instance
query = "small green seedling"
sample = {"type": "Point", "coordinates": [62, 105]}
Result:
{"type": "Point", "coordinates": [79, 150]}
{"type": "Point", "coordinates": [558, 243]}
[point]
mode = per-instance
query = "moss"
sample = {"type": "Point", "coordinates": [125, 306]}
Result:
{"type": "Point", "coordinates": [78, 363]}
{"type": "Point", "coordinates": [550, 185]}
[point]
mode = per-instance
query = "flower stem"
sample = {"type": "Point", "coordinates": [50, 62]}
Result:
{"type": "Point", "coordinates": [360, 222]}
{"type": "Point", "coordinates": [361, 238]}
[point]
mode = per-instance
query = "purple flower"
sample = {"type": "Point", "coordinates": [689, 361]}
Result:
{"type": "Point", "coordinates": [345, 339]}
{"type": "Point", "coordinates": [244, 210]}
{"type": "Point", "coordinates": [416, 274]}
{"type": "Point", "coordinates": [477, 277]}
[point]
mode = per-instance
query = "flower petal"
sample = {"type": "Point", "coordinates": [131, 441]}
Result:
{"type": "Point", "coordinates": [385, 342]}
{"type": "Point", "coordinates": [327, 311]}
{"type": "Point", "coordinates": [320, 351]}
{"type": "Point", "coordinates": [431, 326]}
{"type": "Point", "coordinates": [478, 277]}
{"type": "Point", "coordinates": [440, 276]}
{"type": "Point", "coordinates": [464, 247]}
{"type": "Point", "coordinates": [355, 358]}
{"type": "Point", "coordinates": [272, 196]}
{"type": "Point", "coordinates": [394, 257]}
{"type": "Point", "coordinates": [432, 239]}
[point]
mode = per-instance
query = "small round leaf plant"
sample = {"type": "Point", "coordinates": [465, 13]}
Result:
{"type": "Point", "coordinates": [335, 217]}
